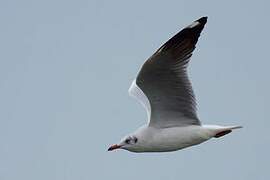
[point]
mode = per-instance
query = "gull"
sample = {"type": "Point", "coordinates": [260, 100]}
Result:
{"type": "Point", "coordinates": [163, 88]}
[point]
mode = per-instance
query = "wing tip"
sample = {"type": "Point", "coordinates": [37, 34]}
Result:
{"type": "Point", "coordinates": [192, 32]}
{"type": "Point", "coordinates": [202, 20]}
{"type": "Point", "coordinates": [199, 23]}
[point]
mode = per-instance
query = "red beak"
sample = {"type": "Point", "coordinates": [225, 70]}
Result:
{"type": "Point", "coordinates": [113, 147]}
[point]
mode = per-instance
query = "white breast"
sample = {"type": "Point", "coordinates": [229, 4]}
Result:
{"type": "Point", "coordinates": [175, 138]}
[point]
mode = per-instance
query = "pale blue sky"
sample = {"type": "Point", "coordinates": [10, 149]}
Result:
{"type": "Point", "coordinates": [65, 67]}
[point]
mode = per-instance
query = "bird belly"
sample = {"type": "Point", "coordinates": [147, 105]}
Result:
{"type": "Point", "coordinates": [176, 138]}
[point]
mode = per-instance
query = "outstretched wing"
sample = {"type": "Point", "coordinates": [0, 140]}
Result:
{"type": "Point", "coordinates": [162, 84]}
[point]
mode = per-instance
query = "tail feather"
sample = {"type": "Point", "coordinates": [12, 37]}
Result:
{"type": "Point", "coordinates": [233, 127]}
{"type": "Point", "coordinates": [226, 130]}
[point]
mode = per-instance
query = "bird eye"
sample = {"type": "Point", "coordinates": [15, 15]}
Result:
{"type": "Point", "coordinates": [127, 141]}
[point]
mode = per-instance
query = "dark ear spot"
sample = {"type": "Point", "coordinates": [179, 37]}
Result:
{"type": "Point", "coordinates": [135, 139]}
{"type": "Point", "coordinates": [127, 141]}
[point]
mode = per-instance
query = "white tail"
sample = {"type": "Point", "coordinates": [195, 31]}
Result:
{"type": "Point", "coordinates": [233, 127]}
{"type": "Point", "coordinates": [225, 130]}
{"type": "Point", "coordinates": [219, 131]}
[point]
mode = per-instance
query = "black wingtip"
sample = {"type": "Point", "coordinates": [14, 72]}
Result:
{"type": "Point", "coordinates": [202, 20]}
{"type": "Point", "coordinates": [191, 32]}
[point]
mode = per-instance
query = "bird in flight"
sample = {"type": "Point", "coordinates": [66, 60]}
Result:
{"type": "Point", "coordinates": [163, 88]}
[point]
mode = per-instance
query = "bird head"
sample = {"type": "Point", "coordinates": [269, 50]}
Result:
{"type": "Point", "coordinates": [127, 143]}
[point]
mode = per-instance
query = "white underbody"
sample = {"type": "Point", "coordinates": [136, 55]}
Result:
{"type": "Point", "coordinates": [152, 139]}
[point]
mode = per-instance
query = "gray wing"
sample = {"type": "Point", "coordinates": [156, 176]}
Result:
{"type": "Point", "coordinates": [163, 79]}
